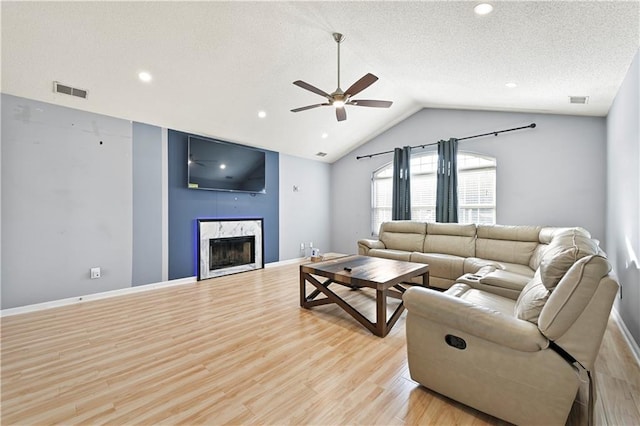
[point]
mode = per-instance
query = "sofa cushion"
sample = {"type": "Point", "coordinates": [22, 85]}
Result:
{"type": "Point", "coordinates": [555, 240]}
{"type": "Point", "coordinates": [473, 264]}
{"type": "Point", "coordinates": [441, 265]}
{"type": "Point", "coordinates": [513, 244]}
{"type": "Point", "coordinates": [391, 254]}
{"type": "Point", "coordinates": [532, 299]}
{"type": "Point", "coordinates": [572, 295]}
{"type": "Point", "coordinates": [548, 233]}
{"type": "Point", "coordinates": [450, 238]}
{"type": "Point", "coordinates": [482, 298]}
{"type": "Point", "coordinates": [403, 235]}
{"type": "Point", "coordinates": [505, 279]}
{"type": "Point", "coordinates": [510, 233]}
{"type": "Point", "coordinates": [562, 253]}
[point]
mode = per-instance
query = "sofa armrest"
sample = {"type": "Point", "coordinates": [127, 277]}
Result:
{"type": "Point", "coordinates": [474, 319]}
{"type": "Point", "coordinates": [365, 244]}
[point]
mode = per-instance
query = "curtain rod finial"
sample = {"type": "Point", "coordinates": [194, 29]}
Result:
{"type": "Point", "coordinates": [532, 125]}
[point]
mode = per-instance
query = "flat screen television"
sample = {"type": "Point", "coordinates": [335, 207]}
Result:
{"type": "Point", "coordinates": [223, 166]}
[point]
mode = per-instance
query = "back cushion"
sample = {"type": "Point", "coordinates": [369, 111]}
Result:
{"type": "Point", "coordinates": [403, 235]}
{"type": "Point", "coordinates": [547, 235]}
{"type": "Point", "coordinates": [451, 238]}
{"type": "Point", "coordinates": [563, 251]}
{"type": "Point", "coordinates": [569, 299]}
{"type": "Point", "coordinates": [513, 244]}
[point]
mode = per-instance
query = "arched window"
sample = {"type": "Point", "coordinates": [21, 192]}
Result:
{"type": "Point", "coordinates": [476, 189]}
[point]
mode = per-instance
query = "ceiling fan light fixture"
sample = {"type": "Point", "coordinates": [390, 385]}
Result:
{"type": "Point", "coordinates": [483, 9]}
{"type": "Point", "coordinates": [339, 98]}
{"type": "Point", "coordinates": [144, 76]}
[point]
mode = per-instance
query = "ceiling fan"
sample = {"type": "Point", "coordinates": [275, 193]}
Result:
{"type": "Point", "coordinates": [341, 98]}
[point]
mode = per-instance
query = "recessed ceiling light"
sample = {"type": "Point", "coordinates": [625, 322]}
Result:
{"type": "Point", "coordinates": [262, 114]}
{"type": "Point", "coordinates": [511, 85]}
{"type": "Point", "coordinates": [223, 166]}
{"type": "Point", "coordinates": [483, 9]}
{"type": "Point", "coordinates": [325, 135]}
{"type": "Point", "coordinates": [144, 76]}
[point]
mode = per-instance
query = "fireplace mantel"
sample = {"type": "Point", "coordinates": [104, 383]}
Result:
{"type": "Point", "coordinates": [219, 229]}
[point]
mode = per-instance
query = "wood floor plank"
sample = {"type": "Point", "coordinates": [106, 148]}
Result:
{"type": "Point", "coordinates": [240, 350]}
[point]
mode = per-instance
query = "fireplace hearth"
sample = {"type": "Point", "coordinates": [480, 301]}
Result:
{"type": "Point", "coordinates": [229, 246]}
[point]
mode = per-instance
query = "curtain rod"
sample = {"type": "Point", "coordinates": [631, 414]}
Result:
{"type": "Point", "coordinates": [532, 125]}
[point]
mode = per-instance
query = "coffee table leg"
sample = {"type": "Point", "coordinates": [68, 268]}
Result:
{"type": "Point", "coordinates": [303, 289]}
{"type": "Point", "coordinates": [381, 313]}
{"type": "Point", "coordinates": [425, 279]}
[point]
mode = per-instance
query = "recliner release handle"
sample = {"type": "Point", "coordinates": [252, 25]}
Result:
{"type": "Point", "coordinates": [455, 341]}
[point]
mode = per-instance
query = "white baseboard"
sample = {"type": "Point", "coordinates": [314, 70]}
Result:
{"type": "Point", "coordinates": [633, 345]}
{"type": "Point", "coordinates": [95, 296]}
{"type": "Point", "coordinates": [285, 262]}
{"type": "Point", "coordinates": [120, 292]}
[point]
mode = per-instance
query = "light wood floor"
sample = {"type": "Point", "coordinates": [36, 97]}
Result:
{"type": "Point", "coordinates": [238, 350]}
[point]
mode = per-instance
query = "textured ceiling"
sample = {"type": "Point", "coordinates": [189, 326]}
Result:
{"type": "Point", "coordinates": [216, 64]}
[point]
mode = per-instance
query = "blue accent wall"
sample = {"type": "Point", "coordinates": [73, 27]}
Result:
{"type": "Point", "coordinates": [187, 205]}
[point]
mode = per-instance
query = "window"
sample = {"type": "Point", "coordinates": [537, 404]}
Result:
{"type": "Point", "coordinates": [476, 189]}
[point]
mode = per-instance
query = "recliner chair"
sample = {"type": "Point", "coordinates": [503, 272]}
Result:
{"type": "Point", "coordinates": [519, 360]}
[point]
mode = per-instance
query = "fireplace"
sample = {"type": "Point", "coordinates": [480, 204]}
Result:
{"type": "Point", "coordinates": [231, 251]}
{"type": "Point", "coordinates": [229, 246]}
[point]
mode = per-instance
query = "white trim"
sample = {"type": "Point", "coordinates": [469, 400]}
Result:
{"type": "Point", "coordinates": [120, 292]}
{"type": "Point", "coordinates": [285, 262]}
{"type": "Point", "coordinates": [96, 296]}
{"type": "Point", "coordinates": [633, 345]}
{"type": "Point", "coordinates": [164, 146]}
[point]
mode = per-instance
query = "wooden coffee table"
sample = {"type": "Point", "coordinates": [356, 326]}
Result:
{"type": "Point", "coordinates": [386, 276]}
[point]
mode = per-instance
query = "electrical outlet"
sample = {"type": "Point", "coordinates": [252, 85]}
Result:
{"type": "Point", "coordinates": [95, 273]}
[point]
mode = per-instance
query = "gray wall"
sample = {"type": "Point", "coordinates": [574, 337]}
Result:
{"type": "Point", "coordinates": [69, 203]}
{"type": "Point", "coordinates": [147, 204]}
{"type": "Point", "coordinates": [305, 213]}
{"type": "Point", "coordinates": [623, 201]}
{"type": "Point", "coordinates": [552, 175]}
{"type": "Point", "coordinates": [66, 202]}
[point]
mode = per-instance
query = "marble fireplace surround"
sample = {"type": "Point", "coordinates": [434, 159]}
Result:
{"type": "Point", "coordinates": [209, 229]}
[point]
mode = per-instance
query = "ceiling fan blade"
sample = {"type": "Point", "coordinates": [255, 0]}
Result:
{"type": "Point", "coordinates": [370, 103]}
{"type": "Point", "coordinates": [304, 108]}
{"type": "Point", "coordinates": [341, 114]}
{"type": "Point", "coordinates": [311, 88]}
{"type": "Point", "coordinates": [361, 84]}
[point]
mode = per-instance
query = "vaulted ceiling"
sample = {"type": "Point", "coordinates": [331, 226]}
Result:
{"type": "Point", "coordinates": [215, 65]}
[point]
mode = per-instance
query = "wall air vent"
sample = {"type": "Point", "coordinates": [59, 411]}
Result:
{"type": "Point", "coordinates": [578, 99]}
{"type": "Point", "coordinates": [321, 154]}
{"type": "Point", "coordinates": [68, 90]}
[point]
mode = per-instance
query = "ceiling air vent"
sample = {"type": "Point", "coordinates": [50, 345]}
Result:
{"type": "Point", "coordinates": [578, 99]}
{"type": "Point", "coordinates": [68, 90]}
{"type": "Point", "coordinates": [321, 154]}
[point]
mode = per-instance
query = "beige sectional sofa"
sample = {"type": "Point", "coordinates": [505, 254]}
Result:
{"type": "Point", "coordinates": [521, 323]}
{"type": "Point", "coordinates": [503, 257]}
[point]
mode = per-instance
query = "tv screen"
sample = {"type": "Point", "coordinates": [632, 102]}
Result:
{"type": "Point", "coordinates": [223, 166]}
